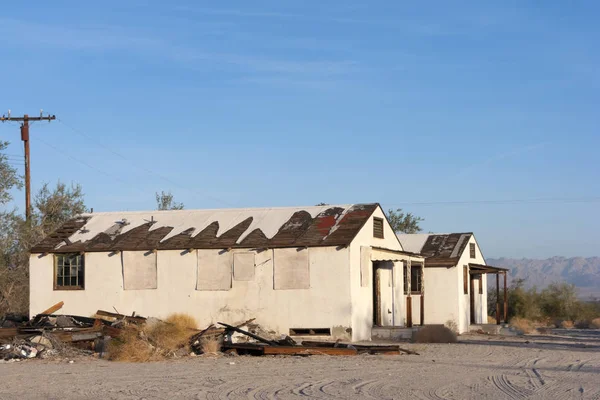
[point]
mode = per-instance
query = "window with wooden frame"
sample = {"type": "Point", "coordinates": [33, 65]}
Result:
{"type": "Point", "coordinates": [472, 250]}
{"type": "Point", "coordinates": [416, 278]}
{"type": "Point", "coordinates": [378, 227]}
{"type": "Point", "coordinates": [466, 279]}
{"type": "Point", "coordinates": [480, 279]}
{"type": "Point", "coordinates": [69, 271]}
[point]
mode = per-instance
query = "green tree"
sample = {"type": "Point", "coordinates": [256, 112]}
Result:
{"type": "Point", "coordinates": [164, 201]}
{"type": "Point", "coordinates": [9, 178]}
{"type": "Point", "coordinates": [404, 222]}
{"type": "Point", "coordinates": [50, 209]}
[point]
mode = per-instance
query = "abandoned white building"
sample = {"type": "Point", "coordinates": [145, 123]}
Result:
{"type": "Point", "coordinates": [456, 278]}
{"type": "Point", "coordinates": [324, 270]}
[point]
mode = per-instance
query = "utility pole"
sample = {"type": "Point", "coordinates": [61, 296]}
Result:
{"type": "Point", "coordinates": [25, 138]}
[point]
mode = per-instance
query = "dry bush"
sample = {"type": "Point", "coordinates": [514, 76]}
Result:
{"type": "Point", "coordinates": [595, 323]}
{"type": "Point", "coordinates": [172, 334]}
{"type": "Point", "coordinates": [523, 324]}
{"type": "Point", "coordinates": [435, 334]}
{"type": "Point", "coordinates": [491, 320]}
{"type": "Point", "coordinates": [154, 340]}
{"type": "Point", "coordinates": [210, 344]}
{"type": "Point", "coordinates": [567, 324]}
{"type": "Point", "coordinates": [131, 346]}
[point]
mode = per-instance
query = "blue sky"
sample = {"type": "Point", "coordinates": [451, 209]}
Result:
{"type": "Point", "coordinates": [273, 103]}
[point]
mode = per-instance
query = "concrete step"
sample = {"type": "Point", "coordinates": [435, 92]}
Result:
{"type": "Point", "coordinates": [392, 332]}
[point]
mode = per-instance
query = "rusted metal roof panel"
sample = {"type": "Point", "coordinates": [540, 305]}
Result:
{"type": "Point", "coordinates": [209, 229]}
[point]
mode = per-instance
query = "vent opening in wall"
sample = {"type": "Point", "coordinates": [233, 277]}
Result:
{"type": "Point", "coordinates": [310, 332]}
{"type": "Point", "coordinates": [378, 227]}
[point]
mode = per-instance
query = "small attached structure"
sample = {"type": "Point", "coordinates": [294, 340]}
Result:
{"type": "Point", "coordinates": [456, 276]}
{"type": "Point", "coordinates": [325, 270]}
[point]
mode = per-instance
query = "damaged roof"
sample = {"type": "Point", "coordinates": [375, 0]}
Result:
{"type": "Point", "coordinates": [331, 225]}
{"type": "Point", "coordinates": [439, 250]}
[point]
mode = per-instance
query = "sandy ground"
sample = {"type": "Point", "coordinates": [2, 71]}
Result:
{"type": "Point", "coordinates": [561, 366]}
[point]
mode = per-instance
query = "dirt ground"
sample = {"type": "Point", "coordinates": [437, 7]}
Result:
{"type": "Point", "coordinates": [565, 365]}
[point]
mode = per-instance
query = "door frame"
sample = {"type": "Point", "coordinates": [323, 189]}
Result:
{"type": "Point", "coordinates": [377, 311]}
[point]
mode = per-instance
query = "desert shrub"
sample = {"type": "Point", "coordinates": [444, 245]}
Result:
{"type": "Point", "coordinates": [567, 324]}
{"type": "Point", "coordinates": [172, 334]}
{"type": "Point", "coordinates": [131, 346]}
{"type": "Point", "coordinates": [560, 301]}
{"type": "Point", "coordinates": [595, 323]}
{"type": "Point", "coordinates": [435, 334]}
{"type": "Point", "coordinates": [210, 344]}
{"type": "Point", "coordinates": [491, 320]}
{"type": "Point", "coordinates": [550, 306]}
{"type": "Point", "coordinates": [523, 324]}
{"type": "Point", "coordinates": [154, 340]}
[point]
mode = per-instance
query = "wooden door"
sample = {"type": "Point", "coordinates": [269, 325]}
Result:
{"type": "Point", "coordinates": [383, 304]}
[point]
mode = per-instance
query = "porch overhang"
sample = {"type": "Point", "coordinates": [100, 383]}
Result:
{"type": "Point", "coordinates": [486, 269]}
{"type": "Point", "coordinates": [384, 254]}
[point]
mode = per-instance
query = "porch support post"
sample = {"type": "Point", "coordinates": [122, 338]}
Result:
{"type": "Point", "coordinates": [497, 298]}
{"type": "Point", "coordinates": [505, 300]}
{"type": "Point", "coordinates": [422, 293]}
{"type": "Point", "coordinates": [409, 321]}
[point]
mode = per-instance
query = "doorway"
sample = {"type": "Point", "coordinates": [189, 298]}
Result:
{"type": "Point", "coordinates": [383, 293]}
{"type": "Point", "coordinates": [475, 288]}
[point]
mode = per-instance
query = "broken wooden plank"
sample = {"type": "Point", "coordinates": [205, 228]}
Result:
{"type": "Point", "coordinates": [308, 351]}
{"type": "Point", "coordinates": [8, 332]}
{"type": "Point", "coordinates": [253, 336]}
{"type": "Point", "coordinates": [112, 317]}
{"type": "Point", "coordinates": [54, 308]}
{"type": "Point", "coordinates": [362, 348]}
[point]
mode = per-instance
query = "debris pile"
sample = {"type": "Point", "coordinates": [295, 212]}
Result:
{"type": "Point", "coordinates": [253, 344]}
{"type": "Point", "coordinates": [139, 339]}
{"type": "Point", "coordinates": [47, 335]}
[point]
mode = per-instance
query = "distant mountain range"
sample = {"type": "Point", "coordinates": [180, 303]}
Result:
{"type": "Point", "coordinates": [582, 272]}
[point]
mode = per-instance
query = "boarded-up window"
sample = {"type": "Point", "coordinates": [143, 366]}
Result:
{"type": "Point", "coordinates": [472, 249]}
{"type": "Point", "coordinates": [365, 265]}
{"type": "Point", "coordinates": [378, 227]}
{"type": "Point", "coordinates": [291, 269]}
{"type": "Point", "coordinates": [243, 266]}
{"type": "Point", "coordinates": [466, 279]}
{"type": "Point", "coordinates": [139, 270]}
{"type": "Point", "coordinates": [214, 270]}
{"type": "Point", "coordinates": [416, 278]}
{"type": "Point", "coordinates": [480, 279]}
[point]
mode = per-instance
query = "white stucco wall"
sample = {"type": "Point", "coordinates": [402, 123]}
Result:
{"type": "Point", "coordinates": [441, 295]}
{"type": "Point", "coordinates": [326, 304]}
{"type": "Point", "coordinates": [362, 297]}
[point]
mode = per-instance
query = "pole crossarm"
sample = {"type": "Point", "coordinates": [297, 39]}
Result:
{"type": "Point", "coordinates": [27, 118]}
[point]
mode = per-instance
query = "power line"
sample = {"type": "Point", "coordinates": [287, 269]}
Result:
{"type": "Point", "coordinates": [142, 168]}
{"type": "Point", "coordinates": [83, 162]}
{"type": "Point", "coordinates": [25, 120]}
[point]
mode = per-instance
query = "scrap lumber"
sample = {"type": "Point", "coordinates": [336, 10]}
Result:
{"type": "Point", "coordinates": [8, 332]}
{"type": "Point", "coordinates": [253, 336]}
{"type": "Point", "coordinates": [112, 317]}
{"type": "Point", "coordinates": [54, 308]}
{"type": "Point", "coordinates": [308, 351]}
{"type": "Point", "coordinates": [361, 348]}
